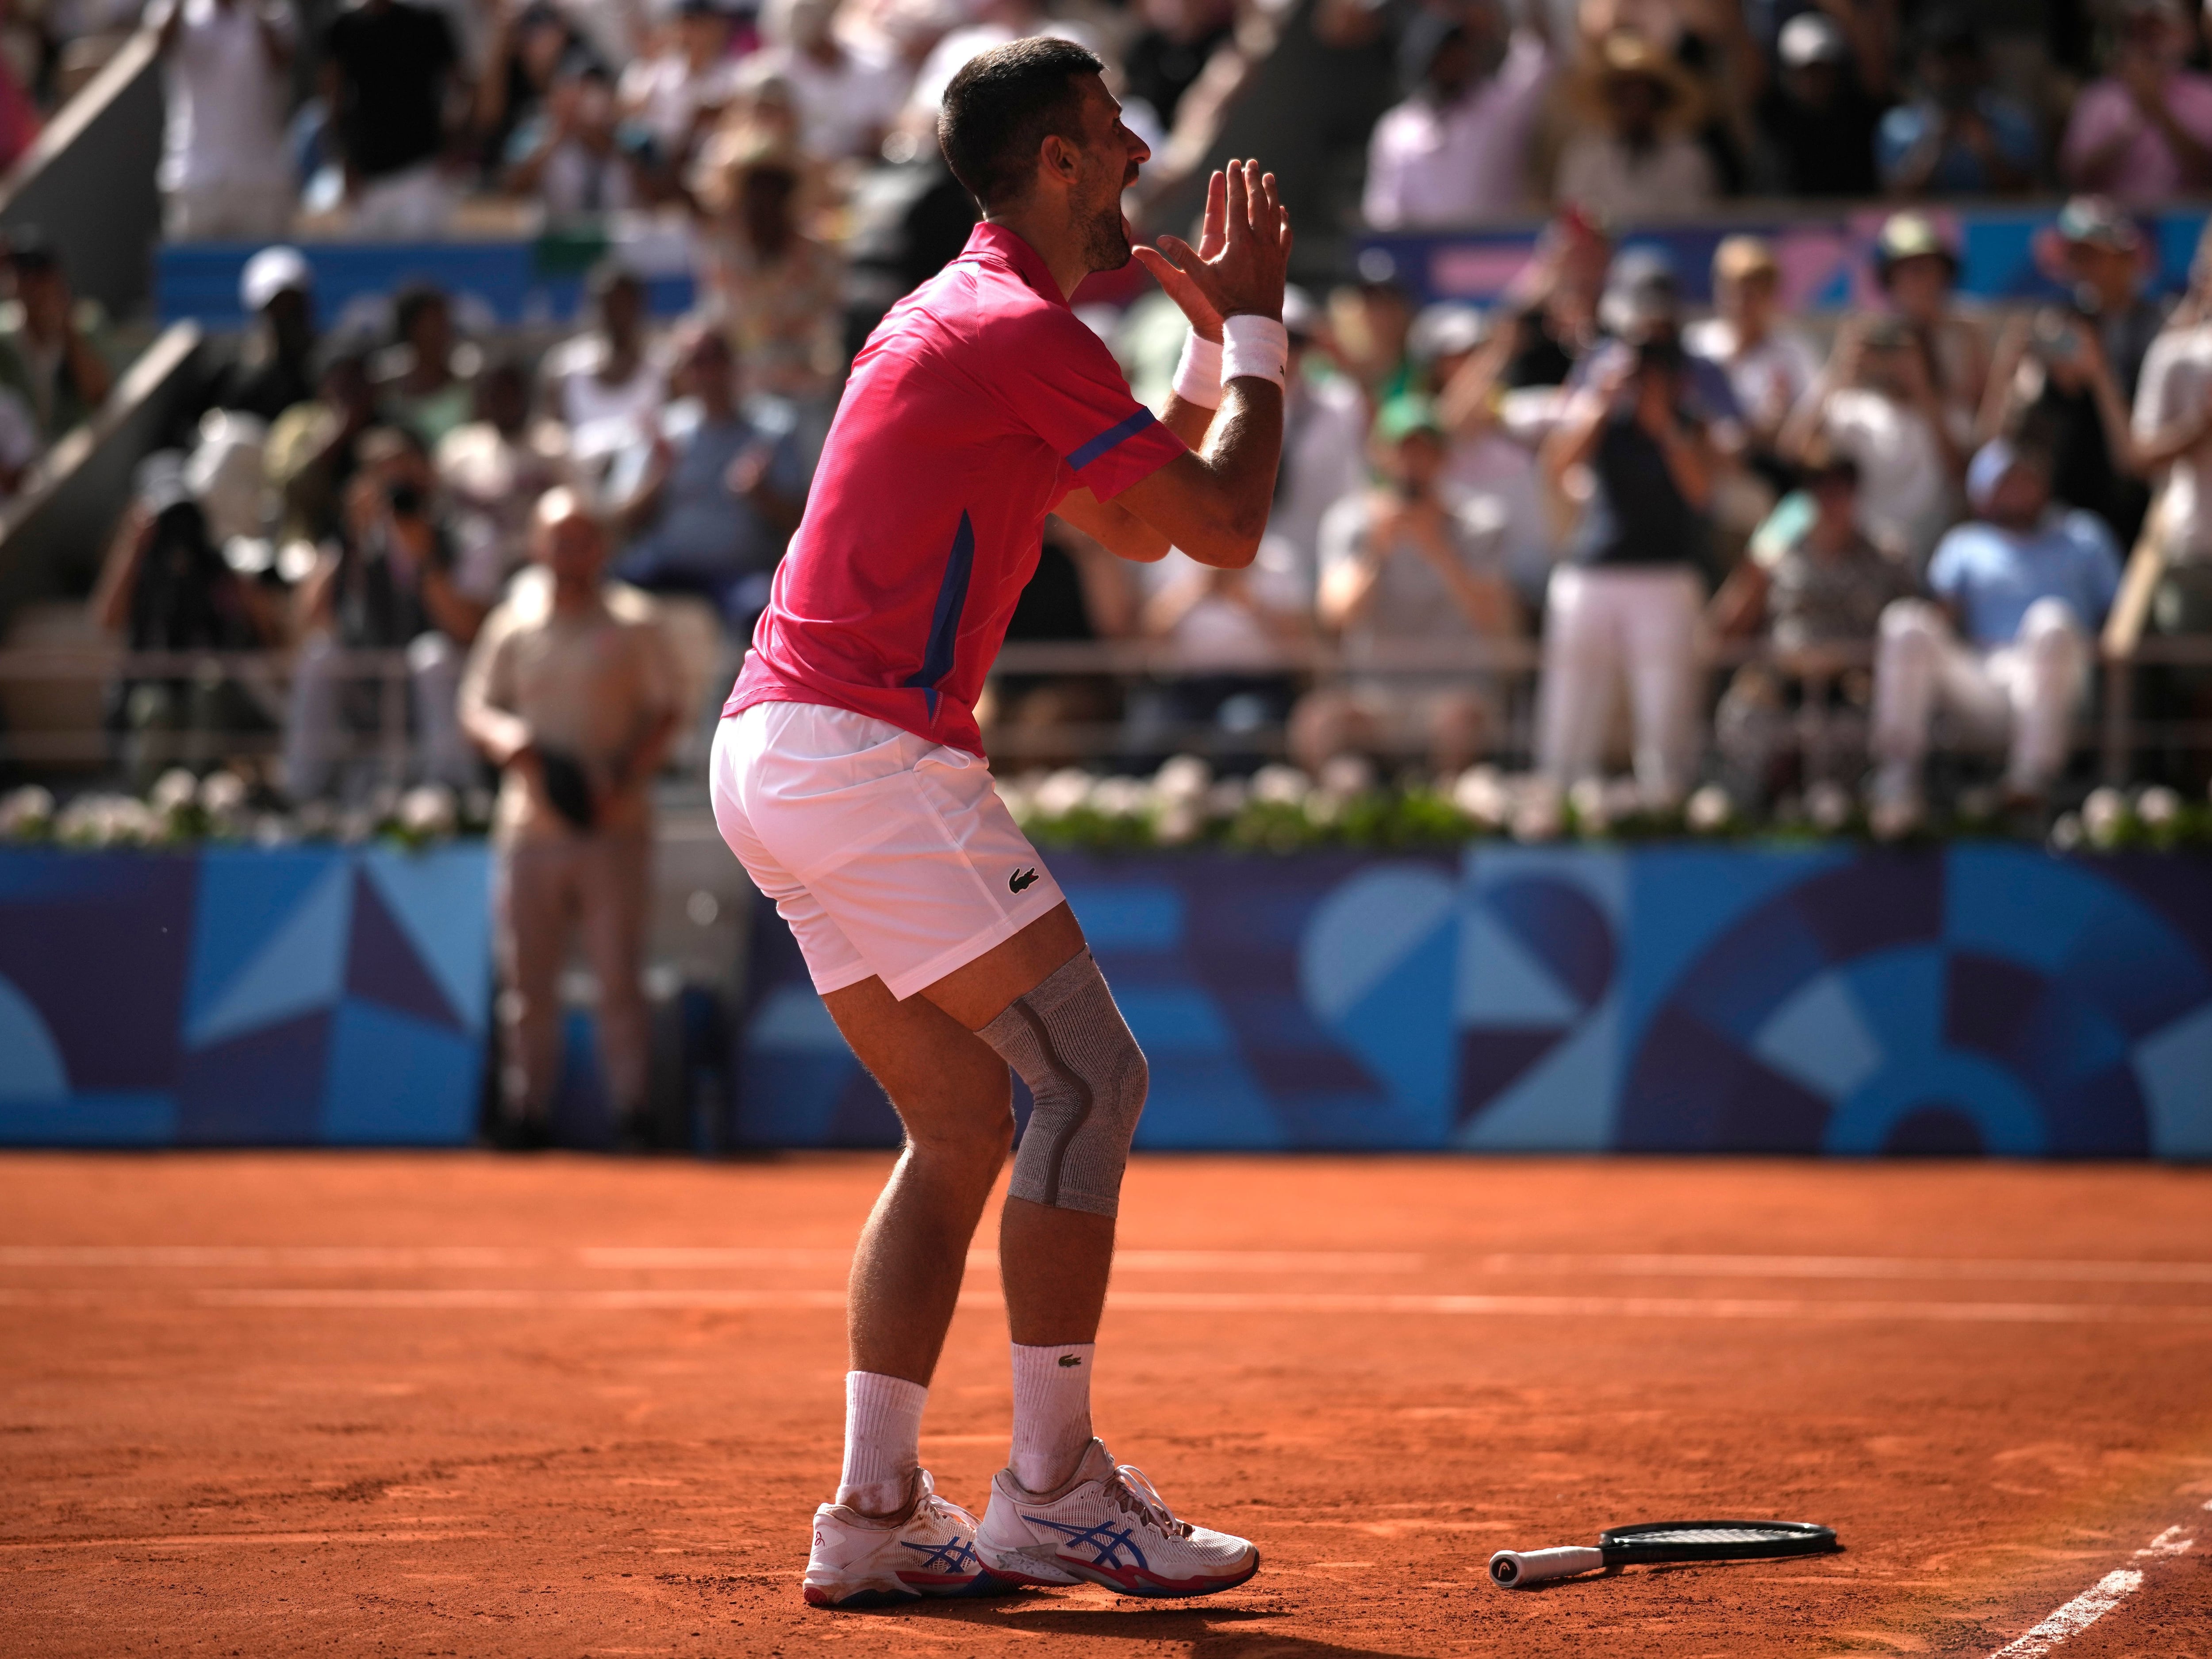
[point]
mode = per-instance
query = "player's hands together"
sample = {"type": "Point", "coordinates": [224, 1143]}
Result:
{"type": "Point", "coordinates": [1212, 237]}
{"type": "Point", "coordinates": [1246, 275]}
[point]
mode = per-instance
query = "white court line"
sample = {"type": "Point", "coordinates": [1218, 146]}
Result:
{"type": "Point", "coordinates": [1854, 1266]}
{"type": "Point", "coordinates": [206, 1539]}
{"type": "Point", "coordinates": [2094, 1604]}
{"type": "Point", "coordinates": [347, 1298]}
{"type": "Point", "coordinates": [1686, 1265]}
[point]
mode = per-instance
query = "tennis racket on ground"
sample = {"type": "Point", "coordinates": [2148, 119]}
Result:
{"type": "Point", "coordinates": [1663, 1541]}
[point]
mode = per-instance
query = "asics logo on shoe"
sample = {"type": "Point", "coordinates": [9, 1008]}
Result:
{"type": "Point", "coordinates": [953, 1555]}
{"type": "Point", "coordinates": [1022, 879]}
{"type": "Point", "coordinates": [1067, 1359]}
{"type": "Point", "coordinates": [1102, 1538]}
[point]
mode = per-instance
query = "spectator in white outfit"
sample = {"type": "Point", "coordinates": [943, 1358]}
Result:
{"type": "Point", "coordinates": [2006, 649]}
{"type": "Point", "coordinates": [1324, 442]}
{"type": "Point", "coordinates": [1877, 403]}
{"type": "Point", "coordinates": [1625, 605]}
{"type": "Point", "coordinates": [848, 97]}
{"type": "Point", "coordinates": [1461, 358]}
{"type": "Point", "coordinates": [1632, 157]}
{"type": "Point", "coordinates": [225, 173]}
{"type": "Point", "coordinates": [1768, 366]}
{"type": "Point", "coordinates": [1456, 152]}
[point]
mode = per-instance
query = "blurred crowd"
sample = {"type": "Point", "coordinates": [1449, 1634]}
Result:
{"type": "Point", "coordinates": [382, 117]}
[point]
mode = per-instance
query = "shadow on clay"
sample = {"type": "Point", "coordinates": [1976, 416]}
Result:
{"type": "Point", "coordinates": [1211, 1632]}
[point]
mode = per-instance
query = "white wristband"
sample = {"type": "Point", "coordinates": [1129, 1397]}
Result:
{"type": "Point", "coordinates": [1259, 347]}
{"type": "Point", "coordinates": [1198, 376]}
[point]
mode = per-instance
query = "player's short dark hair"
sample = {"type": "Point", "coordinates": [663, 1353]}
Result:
{"type": "Point", "coordinates": [1002, 105]}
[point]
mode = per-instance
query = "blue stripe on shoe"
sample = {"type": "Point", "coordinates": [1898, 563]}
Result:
{"type": "Point", "coordinates": [1120, 432]}
{"type": "Point", "coordinates": [937, 657]}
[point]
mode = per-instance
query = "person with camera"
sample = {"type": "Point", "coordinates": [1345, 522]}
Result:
{"type": "Point", "coordinates": [2053, 388]}
{"type": "Point", "coordinates": [1636, 464]}
{"type": "Point", "coordinates": [1412, 570]}
{"type": "Point", "coordinates": [388, 584]}
{"type": "Point", "coordinates": [570, 693]}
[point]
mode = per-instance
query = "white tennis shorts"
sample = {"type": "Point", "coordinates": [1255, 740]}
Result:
{"type": "Point", "coordinates": [888, 854]}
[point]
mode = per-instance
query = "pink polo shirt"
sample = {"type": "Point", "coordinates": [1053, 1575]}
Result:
{"type": "Point", "coordinates": [976, 404]}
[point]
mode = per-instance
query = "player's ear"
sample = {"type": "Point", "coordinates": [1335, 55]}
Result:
{"type": "Point", "coordinates": [1060, 159]}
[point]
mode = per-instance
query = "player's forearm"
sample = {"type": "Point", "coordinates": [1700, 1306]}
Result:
{"type": "Point", "coordinates": [1188, 421]}
{"type": "Point", "coordinates": [1242, 454]}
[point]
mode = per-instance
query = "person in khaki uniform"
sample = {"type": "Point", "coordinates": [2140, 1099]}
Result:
{"type": "Point", "coordinates": [572, 696]}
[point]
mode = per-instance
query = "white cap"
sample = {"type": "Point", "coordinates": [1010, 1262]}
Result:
{"type": "Point", "coordinates": [1812, 37]}
{"type": "Point", "coordinates": [269, 273]}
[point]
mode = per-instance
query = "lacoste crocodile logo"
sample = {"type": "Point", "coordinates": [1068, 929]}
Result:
{"type": "Point", "coordinates": [1067, 1359]}
{"type": "Point", "coordinates": [1022, 879]}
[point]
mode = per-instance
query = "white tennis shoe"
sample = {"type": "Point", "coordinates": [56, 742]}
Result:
{"type": "Point", "coordinates": [870, 1561]}
{"type": "Point", "coordinates": [1109, 1526]}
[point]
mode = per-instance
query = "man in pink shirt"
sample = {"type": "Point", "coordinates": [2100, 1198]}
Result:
{"type": "Point", "coordinates": [848, 776]}
{"type": "Point", "coordinates": [2143, 133]}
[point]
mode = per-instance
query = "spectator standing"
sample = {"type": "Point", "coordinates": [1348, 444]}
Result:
{"type": "Point", "coordinates": [848, 96]}
{"type": "Point", "coordinates": [1324, 439]}
{"type": "Point", "coordinates": [53, 351]}
{"type": "Point", "coordinates": [1918, 272]}
{"type": "Point", "coordinates": [575, 704]}
{"type": "Point", "coordinates": [1460, 358]}
{"type": "Point", "coordinates": [602, 384]}
{"type": "Point", "coordinates": [1408, 569]}
{"type": "Point", "coordinates": [275, 367]}
{"type": "Point", "coordinates": [2144, 131]}
{"type": "Point", "coordinates": [571, 156]}
{"type": "Point", "coordinates": [1166, 56]}
{"type": "Point", "coordinates": [389, 585]}
{"type": "Point", "coordinates": [2173, 433]}
{"type": "Point", "coordinates": [775, 290]}
{"type": "Point", "coordinates": [2105, 253]}
{"type": "Point", "coordinates": [1959, 136]}
{"type": "Point", "coordinates": [2052, 388]}
{"type": "Point", "coordinates": [527, 48]}
{"type": "Point", "coordinates": [1768, 366]}
{"type": "Point", "coordinates": [225, 172]}
{"type": "Point", "coordinates": [1554, 301]}
{"type": "Point", "coordinates": [312, 454]}
{"type": "Point", "coordinates": [2019, 593]}
{"type": "Point", "coordinates": [1819, 114]}
{"type": "Point", "coordinates": [1876, 403]}
{"type": "Point", "coordinates": [678, 92]}
{"type": "Point", "coordinates": [492, 469]}
{"type": "Point", "coordinates": [390, 69]}
{"type": "Point", "coordinates": [1815, 597]}
{"type": "Point", "coordinates": [1635, 159]}
{"type": "Point", "coordinates": [1626, 605]}
{"type": "Point", "coordinates": [1456, 152]}
{"type": "Point", "coordinates": [429, 394]}
{"type": "Point", "coordinates": [164, 588]}
{"type": "Point", "coordinates": [711, 500]}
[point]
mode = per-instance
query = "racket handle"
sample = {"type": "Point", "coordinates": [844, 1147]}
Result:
{"type": "Point", "coordinates": [1518, 1569]}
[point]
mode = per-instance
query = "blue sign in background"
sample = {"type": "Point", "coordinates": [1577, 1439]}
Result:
{"type": "Point", "coordinates": [1977, 999]}
{"type": "Point", "coordinates": [243, 997]}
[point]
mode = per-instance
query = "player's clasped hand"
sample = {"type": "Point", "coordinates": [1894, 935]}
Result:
{"type": "Point", "coordinates": [1241, 271]}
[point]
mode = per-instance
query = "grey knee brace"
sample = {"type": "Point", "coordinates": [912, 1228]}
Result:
{"type": "Point", "coordinates": [1070, 1044]}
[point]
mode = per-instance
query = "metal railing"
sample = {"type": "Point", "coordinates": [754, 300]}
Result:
{"type": "Point", "coordinates": [2115, 729]}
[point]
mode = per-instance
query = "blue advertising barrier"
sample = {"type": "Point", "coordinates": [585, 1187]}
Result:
{"type": "Point", "coordinates": [1671, 998]}
{"type": "Point", "coordinates": [309, 995]}
{"type": "Point", "coordinates": [1826, 261]}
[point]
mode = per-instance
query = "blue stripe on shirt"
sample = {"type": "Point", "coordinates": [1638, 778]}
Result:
{"type": "Point", "coordinates": [1113, 435]}
{"type": "Point", "coordinates": [937, 657]}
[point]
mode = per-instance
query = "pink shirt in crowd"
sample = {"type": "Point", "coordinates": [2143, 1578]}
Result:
{"type": "Point", "coordinates": [2148, 171]}
{"type": "Point", "coordinates": [975, 406]}
{"type": "Point", "coordinates": [1428, 165]}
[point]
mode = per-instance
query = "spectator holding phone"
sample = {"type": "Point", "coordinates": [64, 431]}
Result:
{"type": "Point", "coordinates": [2144, 131]}
{"type": "Point", "coordinates": [388, 584]}
{"type": "Point", "coordinates": [570, 693]}
{"type": "Point", "coordinates": [1634, 459]}
{"type": "Point", "coordinates": [2053, 387]}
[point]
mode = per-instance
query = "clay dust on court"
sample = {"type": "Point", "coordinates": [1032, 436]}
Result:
{"type": "Point", "coordinates": [375, 1404]}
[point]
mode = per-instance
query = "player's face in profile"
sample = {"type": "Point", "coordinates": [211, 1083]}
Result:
{"type": "Point", "coordinates": [1112, 154]}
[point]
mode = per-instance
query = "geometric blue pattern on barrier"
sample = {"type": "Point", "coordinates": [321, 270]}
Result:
{"type": "Point", "coordinates": [290, 996]}
{"type": "Point", "coordinates": [1674, 998]}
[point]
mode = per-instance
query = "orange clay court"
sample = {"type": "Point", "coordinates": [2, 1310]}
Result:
{"type": "Point", "coordinates": [271, 1403]}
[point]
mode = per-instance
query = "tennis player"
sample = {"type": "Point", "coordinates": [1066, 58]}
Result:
{"type": "Point", "coordinates": [848, 775]}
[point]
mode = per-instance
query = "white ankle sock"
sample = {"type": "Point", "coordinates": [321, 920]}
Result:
{"type": "Point", "coordinates": [1052, 1412]}
{"type": "Point", "coordinates": [883, 1441]}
